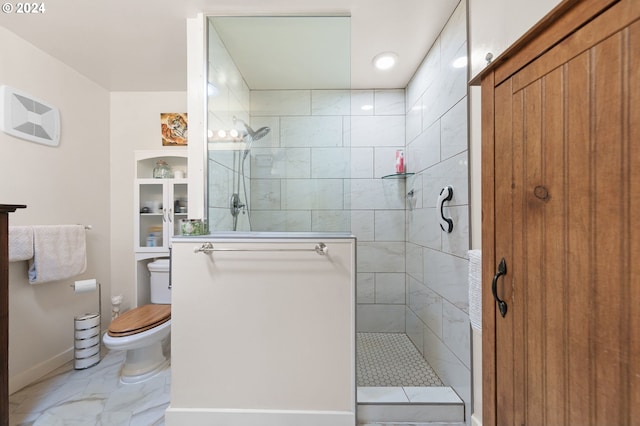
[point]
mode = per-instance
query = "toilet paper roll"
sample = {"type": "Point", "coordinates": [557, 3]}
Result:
{"type": "Point", "coordinates": [86, 321]}
{"type": "Point", "coordinates": [84, 286]}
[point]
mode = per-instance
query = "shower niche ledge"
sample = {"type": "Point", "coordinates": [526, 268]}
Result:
{"type": "Point", "coordinates": [398, 175]}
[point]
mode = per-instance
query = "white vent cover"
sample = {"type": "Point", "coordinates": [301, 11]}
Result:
{"type": "Point", "coordinates": [26, 117]}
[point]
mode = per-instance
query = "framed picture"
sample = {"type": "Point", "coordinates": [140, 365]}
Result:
{"type": "Point", "coordinates": [174, 128]}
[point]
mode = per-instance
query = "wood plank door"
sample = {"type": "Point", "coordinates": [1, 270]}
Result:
{"type": "Point", "coordinates": [567, 224]}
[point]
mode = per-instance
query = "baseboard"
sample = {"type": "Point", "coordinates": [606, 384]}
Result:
{"type": "Point", "coordinates": [31, 375]}
{"type": "Point", "coordinates": [475, 420]}
{"type": "Point", "coordinates": [228, 417]}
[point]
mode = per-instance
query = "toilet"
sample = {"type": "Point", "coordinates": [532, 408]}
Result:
{"type": "Point", "coordinates": [141, 331]}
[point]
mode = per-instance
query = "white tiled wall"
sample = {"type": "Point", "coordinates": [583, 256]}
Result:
{"type": "Point", "coordinates": [300, 171]}
{"type": "Point", "coordinates": [377, 209]}
{"type": "Point", "coordinates": [320, 169]}
{"type": "Point", "coordinates": [437, 318]}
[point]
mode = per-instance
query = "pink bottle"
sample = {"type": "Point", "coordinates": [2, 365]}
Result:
{"type": "Point", "coordinates": [399, 161]}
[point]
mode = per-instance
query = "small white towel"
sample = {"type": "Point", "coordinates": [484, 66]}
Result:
{"type": "Point", "coordinates": [59, 252]}
{"type": "Point", "coordinates": [20, 243]}
{"type": "Point", "coordinates": [475, 288]}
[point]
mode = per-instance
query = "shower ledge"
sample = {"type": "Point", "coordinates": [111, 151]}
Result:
{"type": "Point", "coordinates": [409, 405]}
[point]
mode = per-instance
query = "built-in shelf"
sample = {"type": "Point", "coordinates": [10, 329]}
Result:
{"type": "Point", "coordinates": [398, 176]}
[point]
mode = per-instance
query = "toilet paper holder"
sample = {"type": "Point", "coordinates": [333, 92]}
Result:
{"type": "Point", "coordinates": [85, 286]}
{"type": "Point", "coordinates": [87, 352]}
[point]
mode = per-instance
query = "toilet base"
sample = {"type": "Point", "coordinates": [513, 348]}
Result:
{"type": "Point", "coordinates": [143, 363]}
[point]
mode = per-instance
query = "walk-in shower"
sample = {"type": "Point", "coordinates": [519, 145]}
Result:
{"type": "Point", "coordinates": [238, 202]}
{"type": "Point", "coordinates": [317, 165]}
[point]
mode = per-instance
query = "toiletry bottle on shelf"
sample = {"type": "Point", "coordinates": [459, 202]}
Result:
{"type": "Point", "coordinates": [399, 161]}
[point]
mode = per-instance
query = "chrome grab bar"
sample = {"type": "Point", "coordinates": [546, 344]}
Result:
{"type": "Point", "coordinates": [208, 248]}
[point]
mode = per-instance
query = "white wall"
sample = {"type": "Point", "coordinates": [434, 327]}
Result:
{"type": "Point", "coordinates": [88, 179]}
{"type": "Point", "coordinates": [68, 184]}
{"type": "Point", "coordinates": [135, 125]}
{"type": "Point", "coordinates": [494, 25]}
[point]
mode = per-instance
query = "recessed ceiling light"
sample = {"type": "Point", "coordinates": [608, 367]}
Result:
{"type": "Point", "coordinates": [366, 107]}
{"type": "Point", "coordinates": [385, 60]}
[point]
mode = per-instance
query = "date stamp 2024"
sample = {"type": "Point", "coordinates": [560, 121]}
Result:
{"type": "Point", "coordinates": [23, 8]}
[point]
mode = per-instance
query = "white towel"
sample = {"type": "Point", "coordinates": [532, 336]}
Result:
{"type": "Point", "coordinates": [475, 288]}
{"type": "Point", "coordinates": [20, 243]}
{"type": "Point", "coordinates": [59, 252]}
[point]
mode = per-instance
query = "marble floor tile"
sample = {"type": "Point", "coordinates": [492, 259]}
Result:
{"type": "Point", "coordinates": [94, 396]}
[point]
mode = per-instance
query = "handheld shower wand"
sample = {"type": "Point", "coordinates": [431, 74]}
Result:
{"type": "Point", "coordinates": [235, 204]}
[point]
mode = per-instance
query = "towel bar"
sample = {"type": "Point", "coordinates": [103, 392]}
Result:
{"type": "Point", "coordinates": [207, 248]}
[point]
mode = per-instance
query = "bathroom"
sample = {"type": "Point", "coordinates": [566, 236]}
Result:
{"type": "Point", "coordinates": [99, 146]}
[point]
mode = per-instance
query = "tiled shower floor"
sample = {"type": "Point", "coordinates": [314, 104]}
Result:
{"type": "Point", "coordinates": [390, 359]}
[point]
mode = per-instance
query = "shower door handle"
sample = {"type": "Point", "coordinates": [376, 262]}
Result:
{"type": "Point", "coordinates": [502, 270]}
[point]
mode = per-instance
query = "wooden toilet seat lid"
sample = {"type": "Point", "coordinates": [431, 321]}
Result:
{"type": "Point", "coordinates": [139, 319]}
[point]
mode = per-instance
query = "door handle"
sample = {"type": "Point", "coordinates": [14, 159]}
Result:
{"type": "Point", "coordinates": [502, 270]}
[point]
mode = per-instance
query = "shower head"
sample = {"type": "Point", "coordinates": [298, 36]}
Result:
{"type": "Point", "coordinates": [255, 135]}
{"type": "Point", "coordinates": [258, 134]}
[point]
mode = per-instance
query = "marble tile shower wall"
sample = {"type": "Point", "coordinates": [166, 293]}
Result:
{"type": "Point", "coordinates": [231, 98]}
{"type": "Point", "coordinates": [320, 170]}
{"type": "Point", "coordinates": [437, 318]}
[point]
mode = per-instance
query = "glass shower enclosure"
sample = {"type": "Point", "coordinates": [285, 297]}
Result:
{"type": "Point", "coordinates": [278, 118]}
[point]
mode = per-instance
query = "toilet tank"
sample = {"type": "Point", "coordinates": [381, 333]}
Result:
{"type": "Point", "coordinates": [159, 270]}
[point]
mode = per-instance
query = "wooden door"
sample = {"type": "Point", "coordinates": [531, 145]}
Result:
{"type": "Point", "coordinates": [566, 193]}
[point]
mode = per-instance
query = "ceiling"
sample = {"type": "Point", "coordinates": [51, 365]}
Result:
{"type": "Point", "coordinates": [140, 45]}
